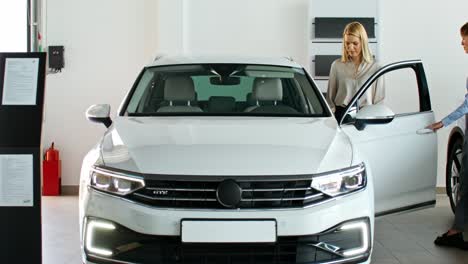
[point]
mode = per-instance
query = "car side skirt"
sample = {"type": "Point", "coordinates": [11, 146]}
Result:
{"type": "Point", "coordinates": [414, 207]}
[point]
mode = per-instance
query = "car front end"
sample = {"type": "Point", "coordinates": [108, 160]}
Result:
{"type": "Point", "coordinates": [239, 188]}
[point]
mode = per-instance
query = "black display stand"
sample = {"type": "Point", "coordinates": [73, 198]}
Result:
{"type": "Point", "coordinates": [20, 133]}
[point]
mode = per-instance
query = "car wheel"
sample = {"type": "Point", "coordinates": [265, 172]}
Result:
{"type": "Point", "coordinates": [452, 173]}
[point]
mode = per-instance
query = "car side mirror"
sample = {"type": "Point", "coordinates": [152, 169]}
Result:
{"type": "Point", "coordinates": [373, 115]}
{"type": "Point", "coordinates": [99, 113]}
{"type": "Point", "coordinates": [350, 115]}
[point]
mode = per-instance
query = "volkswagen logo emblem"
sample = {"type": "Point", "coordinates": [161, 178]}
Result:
{"type": "Point", "coordinates": [229, 193]}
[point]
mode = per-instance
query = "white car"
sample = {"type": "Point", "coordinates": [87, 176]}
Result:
{"type": "Point", "coordinates": [240, 160]}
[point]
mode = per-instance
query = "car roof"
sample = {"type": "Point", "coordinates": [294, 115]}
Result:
{"type": "Point", "coordinates": [199, 59]}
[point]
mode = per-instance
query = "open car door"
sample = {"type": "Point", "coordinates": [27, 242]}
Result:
{"type": "Point", "coordinates": [401, 154]}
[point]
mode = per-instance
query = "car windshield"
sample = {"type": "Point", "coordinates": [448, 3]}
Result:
{"type": "Point", "coordinates": [224, 89]}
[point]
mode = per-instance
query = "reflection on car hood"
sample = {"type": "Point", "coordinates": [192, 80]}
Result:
{"type": "Point", "coordinates": [226, 145]}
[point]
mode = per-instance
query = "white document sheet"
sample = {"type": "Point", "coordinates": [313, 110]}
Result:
{"type": "Point", "coordinates": [20, 82]}
{"type": "Point", "coordinates": [16, 180]}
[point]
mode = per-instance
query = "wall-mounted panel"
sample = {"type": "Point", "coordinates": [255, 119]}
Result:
{"type": "Point", "coordinates": [332, 27]}
{"type": "Point", "coordinates": [323, 63]}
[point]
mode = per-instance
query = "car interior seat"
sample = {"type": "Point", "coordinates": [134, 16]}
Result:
{"type": "Point", "coordinates": [179, 94]}
{"type": "Point", "coordinates": [156, 99]}
{"type": "Point", "coordinates": [268, 95]}
{"type": "Point", "coordinates": [249, 100]}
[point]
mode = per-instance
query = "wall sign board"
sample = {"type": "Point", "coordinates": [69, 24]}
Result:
{"type": "Point", "coordinates": [323, 64]}
{"type": "Point", "coordinates": [22, 78]}
{"type": "Point", "coordinates": [332, 27]}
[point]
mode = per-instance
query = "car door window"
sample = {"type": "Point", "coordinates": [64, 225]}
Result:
{"type": "Point", "coordinates": [406, 90]}
{"type": "Point", "coordinates": [401, 95]}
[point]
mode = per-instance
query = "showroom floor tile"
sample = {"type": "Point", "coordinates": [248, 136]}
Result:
{"type": "Point", "coordinates": [399, 239]}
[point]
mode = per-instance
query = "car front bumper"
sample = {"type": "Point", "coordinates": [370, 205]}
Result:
{"type": "Point", "coordinates": [138, 233]}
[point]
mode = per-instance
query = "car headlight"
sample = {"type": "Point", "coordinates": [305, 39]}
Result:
{"type": "Point", "coordinates": [341, 181]}
{"type": "Point", "coordinates": [113, 182]}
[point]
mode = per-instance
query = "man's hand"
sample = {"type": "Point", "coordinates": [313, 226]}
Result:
{"type": "Point", "coordinates": [436, 126]}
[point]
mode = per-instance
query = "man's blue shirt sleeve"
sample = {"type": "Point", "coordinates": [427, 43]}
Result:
{"type": "Point", "coordinates": [455, 115]}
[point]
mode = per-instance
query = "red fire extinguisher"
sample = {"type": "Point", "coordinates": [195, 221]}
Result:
{"type": "Point", "coordinates": [51, 153]}
{"type": "Point", "coordinates": [51, 172]}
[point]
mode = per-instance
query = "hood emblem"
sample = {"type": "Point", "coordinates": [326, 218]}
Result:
{"type": "Point", "coordinates": [229, 193]}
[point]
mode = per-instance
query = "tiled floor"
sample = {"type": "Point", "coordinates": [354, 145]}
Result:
{"type": "Point", "coordinates": [399, 239]}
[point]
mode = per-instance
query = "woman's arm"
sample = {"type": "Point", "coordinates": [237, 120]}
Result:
{"type": "Point", "coordinates": [452, 117]}
{"type": "Point", "coordinates": [332, 87]}
{"type": "Point", "coordinates": [455, 115]}
{"type": "Point", "coordinates": [379, 90]}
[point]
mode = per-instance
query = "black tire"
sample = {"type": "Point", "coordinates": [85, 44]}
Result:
{"type": "Point", "coordinates": [452, 172]}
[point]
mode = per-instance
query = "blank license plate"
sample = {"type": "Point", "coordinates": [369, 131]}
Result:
{"type": "Point", "coordinates": [228, 231]}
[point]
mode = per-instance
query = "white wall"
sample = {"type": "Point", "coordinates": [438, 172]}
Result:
{"type": "Point", "coordinates": [246, 27]}
{"type": "Point", "coordinates": [241, 27]}
{"type": "Point", "coordinates": [106, 44]}
{"type": "Point", "coordinates": [170, 19]}
{"type": "Point", "coordinates": [429, 30]}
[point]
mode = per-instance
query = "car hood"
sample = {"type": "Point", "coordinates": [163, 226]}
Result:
{"type": "Point", "coordinates": [225, 145]}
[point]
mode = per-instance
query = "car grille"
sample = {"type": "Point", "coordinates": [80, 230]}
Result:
{"type": "Point", "coordinates": [277, 193]}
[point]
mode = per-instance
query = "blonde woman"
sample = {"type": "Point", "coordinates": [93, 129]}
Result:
{"type": "Point", "coordinates": [349, 73]}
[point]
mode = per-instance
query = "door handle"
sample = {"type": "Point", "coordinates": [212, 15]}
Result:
{"type": "Point", "coordinates": [423, 131]}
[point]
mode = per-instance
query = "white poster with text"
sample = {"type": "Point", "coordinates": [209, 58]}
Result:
{"type": "Point", "coordinates": [16, 180]}
{"type": "Point", "coordinates": [20, 82]}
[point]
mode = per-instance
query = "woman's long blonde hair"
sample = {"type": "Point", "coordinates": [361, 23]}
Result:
{"type": "Point", "coordinates": [357, 29]}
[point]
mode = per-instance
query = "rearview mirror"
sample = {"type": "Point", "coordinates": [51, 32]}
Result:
{"type": "Point", "coordinates": [373, 115]}
{"type": "Point", "coordinates": [99, 113]}
{"type": "Point", "coordinates": [225, 80]}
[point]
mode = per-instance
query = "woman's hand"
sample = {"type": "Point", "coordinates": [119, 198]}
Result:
{"type": "Point", "coordinates": [436, 126]}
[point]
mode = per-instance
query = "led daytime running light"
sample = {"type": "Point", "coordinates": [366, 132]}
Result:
{"type": "Point", "coordinates": [91, 227]}
{"type": "Point", "coordinates": [362, 226]}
